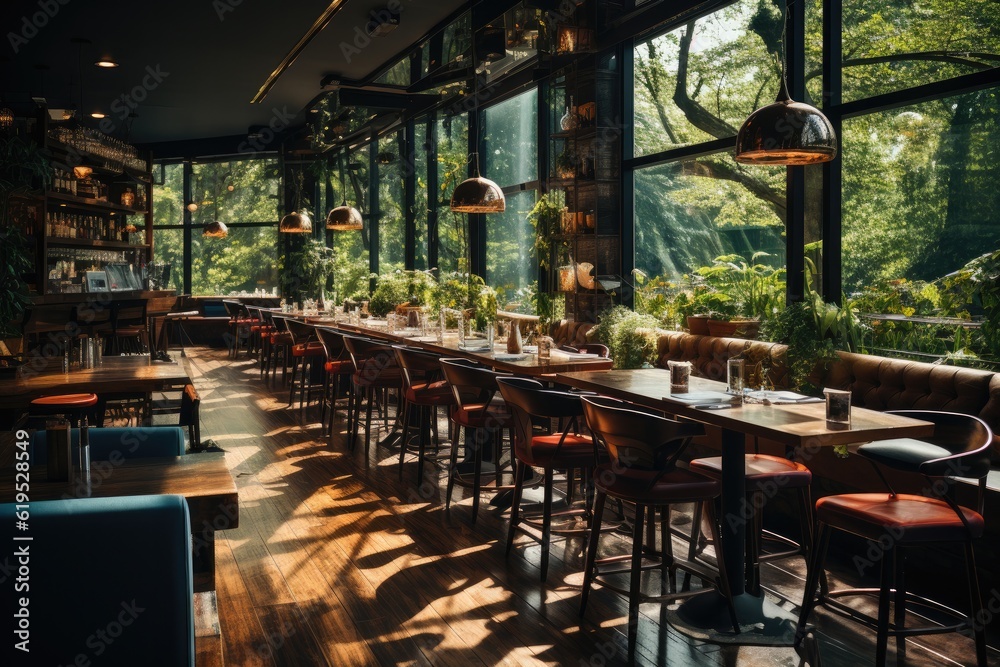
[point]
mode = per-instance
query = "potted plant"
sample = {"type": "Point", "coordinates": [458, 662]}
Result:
{"type": "Point", "coordinates": [631, 337]}
{"type": "Point", "coordinates": [23, 169]}
{"type": "Point", "coordinates": [546, 217]}
{"type": "Point", "coordinates": [753, 291]}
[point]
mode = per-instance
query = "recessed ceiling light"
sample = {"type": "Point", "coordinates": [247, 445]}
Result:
{"type": "Point", "coordinates": [107, 61]}
{"type": "Point", "coordinates": [98, 115]}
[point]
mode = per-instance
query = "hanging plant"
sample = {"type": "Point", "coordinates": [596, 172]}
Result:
{"type": "Point", "coordinates": [546, 216]}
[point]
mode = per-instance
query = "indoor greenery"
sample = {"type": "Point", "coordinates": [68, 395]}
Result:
{"type": "Point", "coordinates": [23, 168]}
{"type": "Point", "coordinates": [737, 288]}
{"type": "Point", "coordinates": [630, 336]}
{"type": "Point", "coordinates": [414, 288]}
{"type": "Point", "coordinates": [546, 217]}
{"type": "Point", "coordinates": [309, 268]}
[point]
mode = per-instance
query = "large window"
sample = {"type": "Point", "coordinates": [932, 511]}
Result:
{"type": "Point", "coordinates": [509, 149]}
{"type": "Point", "coordinates": [243, 194]}
{"type": "Point", "coordinates": [391, 213]}
{"type": "Point", "coordinates": [452, 149]}
{"type": "Point", "coordinates": [695, 86]}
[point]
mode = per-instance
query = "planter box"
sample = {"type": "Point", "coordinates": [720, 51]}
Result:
{"type": "Point", "coordinates": [734, 328]}
{"type": "Point", "coordinates": [698, 325]}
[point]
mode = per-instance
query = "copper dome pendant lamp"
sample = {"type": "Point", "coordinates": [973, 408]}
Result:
{"type": "Point", "coordinates": [786, 132]}
{"type": "Point", "coordinates": [344, 218]}
{"type": "Point", "coordinates": [296, 223]}
{"type": "Point", "coordinates": [478, 194]}
{"type": "Point", "coordinates": [215, 230]}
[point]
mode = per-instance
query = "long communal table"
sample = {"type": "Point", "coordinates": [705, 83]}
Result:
{"type": "Point", "coordinates": [802, 427]}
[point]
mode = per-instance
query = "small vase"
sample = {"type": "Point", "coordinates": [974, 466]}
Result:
{"type": "Point", "coordinates": [570, 121]}
{"type": "Point", "coordinates": [514, 338]}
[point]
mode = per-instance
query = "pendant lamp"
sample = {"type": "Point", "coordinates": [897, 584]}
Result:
{"type": "Point", "coordinates": [215, 230]}
{"type": "Point", "coordinates": [344, 218]}
{"type": "Point", "coordinates": [296, 223]}
{"type": "Point", "coordinates": [478, 194]}
{"type": "Point", "coordinates": [786, 132]}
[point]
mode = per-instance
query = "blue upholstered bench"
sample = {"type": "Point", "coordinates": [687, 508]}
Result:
{"type": "Point", "coordinates": [107, 581]}
{"type": "Point", "coordinates": [128, 442]}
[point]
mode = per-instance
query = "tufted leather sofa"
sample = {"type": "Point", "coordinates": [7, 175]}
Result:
{"type": "Point", "coordinates": [879, 383]}
{"type": "Point", "coordinates": [708, 355]}
{"type": "Point", "coordinates": [570, 332]}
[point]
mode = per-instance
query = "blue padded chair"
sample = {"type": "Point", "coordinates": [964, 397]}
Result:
{"type": "Point", "coordinates": [110, 579]}
{"type": "Point", "coordinates": [132, 443]}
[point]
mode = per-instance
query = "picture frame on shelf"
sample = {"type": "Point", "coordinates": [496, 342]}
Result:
{"type": "Point", "coordinates": [97, 281]}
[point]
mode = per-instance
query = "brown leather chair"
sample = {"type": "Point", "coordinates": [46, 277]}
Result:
{"type": "Point", "coordinates": [644, 450]}
{"type": "Point", "coordinates": [474, 388]}
{"type": "Point", "coordinates": [376, 372]}
{"type": "Point", "coordinates": [338, 364]}
{"type": "Point", "coordinates": [569, 450]}
{"type": "Point", "coordinates": [960, 447]}
{"type": "Point", "coordinates": [306, 350]}
{"type": "Point", "coordinates": [424, 388]}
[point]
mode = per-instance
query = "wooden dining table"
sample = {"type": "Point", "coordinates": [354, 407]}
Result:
{"type": "Point", "coordinates": [525, 363]}
{"type": "Point", "coordinates": [800, 426]}
{"type": "Point", "coordinates": [133, 373]}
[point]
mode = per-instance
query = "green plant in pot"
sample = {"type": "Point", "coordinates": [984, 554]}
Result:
{"type": "Point", "coordinates": [402, 288]}
{"type": "Point", "coordinates": [24, 169]}
{"type": "Point", "coordinates": [755, 290]}
{"type": "Point", "coordinates": [546, 217]}
{"type": "Point", "coordinates": [631, 337]}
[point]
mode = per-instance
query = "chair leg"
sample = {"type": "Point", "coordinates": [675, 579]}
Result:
{"type": "Point", "coordinates": [813, 574]}
{"type": "Point", "coordinates": [593, 537]}
{"type": "Point", "coordinates": [976, 605]}
{"type": "Point", "coordinates": [726, 589]}
{"type": "Point", "coordinates": [452, 467]}
{"type": "Point", "coordinates": [546, 522]}
{"type": "Point", "coordinates": [406, 435]}
{"type": "Point", "coordinates": [477, 475]}
{"type": "Point", "coordinates": [884, 596]}
{"type": "Point", "coordinates": [515, 506]}
{"type": "Point", "coordinates": [425, 434]}
{"type": "Point", "coordinates": [635, 579]}
{"type": "Point", "coordinates": [899, 584]}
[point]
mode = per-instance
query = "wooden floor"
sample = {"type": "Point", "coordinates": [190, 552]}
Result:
{"type": "Point", "coordinates": [336, 562]}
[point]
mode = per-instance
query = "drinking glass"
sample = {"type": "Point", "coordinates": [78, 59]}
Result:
{"type": "Point", "coordinates": [838, 406]}
{"type": "Point", "coordinates": [734, 376]}
{"type": "Point", "coordinates": [680, 375]}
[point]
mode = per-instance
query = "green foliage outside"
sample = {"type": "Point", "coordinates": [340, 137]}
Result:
{"type": "Point", "coordinates": [630, 336]}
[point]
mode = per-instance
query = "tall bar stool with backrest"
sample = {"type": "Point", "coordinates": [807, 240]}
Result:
{"type": "Point", "coordinates": [571, 449]}
{"type": "Point", "coordinates": [765, 475]}
{"type": "Point", "coordinates": [305, 350]}
{"type": "Point", "coordinates": [239, 325]}
{"type": "Point", "coordinates": [474, 388]}
{"type": "Point", "coordinates": [423, 390]}
{"type": "Point", "coordinates": [264, 338]}
{"type": "Point", "coordinates": [644, 450]}
{"type": "Point", "coordinates": [960, 447]}
{"type": "Point", "coordinates": [376, 372]}
{"type": "Point", "coordinates": [337, 366]}
{"type": "Point", "coordinates": [129, 327]}
{"type": "Point", "coordinates": [280, 344]}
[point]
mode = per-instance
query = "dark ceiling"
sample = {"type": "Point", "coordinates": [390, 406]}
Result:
{"type": "Point", "coordinates": [211, 57]}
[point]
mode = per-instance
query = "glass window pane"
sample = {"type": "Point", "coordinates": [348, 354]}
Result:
{"type": "Point", "coordinates": [246, 260]}
{"type": "Point", "coordinates": [452, 157]}
{"type": "Point", "coordinates": [920, 195]}
{"type": "Point", "coordinates": [421, 202]}
{"type": "Point", "coordinates": [688, 213]}
{"type": "Point", "coordinates": [901, 44]}
{"type": "Point", "coordinates": [509, 146]}
{"type": "Point", "coordinates": [168, 199]}
{"type": "Point", "coordinates": [235, 191]}
{"type": "Point", "coordinates": [168, 248]}
{"type": "Point", "coordinates": [510, 260]}
{"type": "Point", "coordinates": [391, 217]}
{"type": "Point", "coordinates": [725, 69]}
{"type": "Point", "coordinates": [398, 74]}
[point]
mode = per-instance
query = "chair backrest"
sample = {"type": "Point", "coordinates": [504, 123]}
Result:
{"type": "Point", "coordinates": [635, 439]}
{"type": "Point", "coordinates": [968, 439]}
{"type": "Point", "coordinates": [136, 570]}
{"type": "Point", "coordinates": [418, 366]}
{"type": "Point", "coordinates": [130, 312]}
{"type": "Point", "coordinates": [333, 343]}
{"type": "Point", "coordinates": [300, 331]}
{"type": "Point", "coordinates": [108, 444]}
{"type": "Point", "coordinates": [190, 414]}
{"type": "Point", "coordinates": [599, 349]}
{"type": "Point", "coordinates": [470, 383]}
{"type": "Point", "coordinates": [279, 322]}
{"type": "Point", "coordinates": [371, 358]}
{"type": "Point", "coordinates": [234, 309]}
{"type": "Point", "coordinates": [527, 399]}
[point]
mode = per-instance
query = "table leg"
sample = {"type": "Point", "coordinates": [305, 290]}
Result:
{"type": "Point", "coordinates": [706, 616]}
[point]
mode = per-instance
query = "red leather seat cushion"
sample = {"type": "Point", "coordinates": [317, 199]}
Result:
{"type": "Point", "coordinates": [760, 468]}
{"type": "Point", "coordinates": [676, 486]}
{"type": "Point", "coordinates": [577, 451]}
{"type": "Point", "coordinates": [435, 393]}
{"type": "Point", "coordinates": [339, 366]}
{"type": "Point", "coordinates": [308, 350]}
{"type": "Point", "coordinates": [67, 400]}
{"type": "Point", "coordinates": [904, 518]}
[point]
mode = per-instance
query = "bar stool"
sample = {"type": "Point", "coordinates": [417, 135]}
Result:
{"type": "Point", "coordinates": [474, 388]}
{"type": "Point", "coordinates": [128, 327]}
{"type": "Point", "coordinates": [239, 325]}
{"type": "Point", "coordinates": [568, 450]}
{"type": "Point", "coordinates": [424, 390]}
{"type": "Point", "coordinates": [280, 342]}
{"type": "Point", "coordinates": [305, 350]}
{"type": "Point", "coordinates": [73, 406]}
{"type": "Point", "coordinates": [644, 450]}
{"type": "Point", "coordinates": [960, 447]}
{"type": "Point", "coordinates": [376, 373]}
{"type": "Point", "coordinates": [765, 475]}
{"type": "Point", "coordinates": [337, 366]}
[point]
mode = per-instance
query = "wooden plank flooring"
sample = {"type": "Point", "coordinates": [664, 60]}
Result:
{"type": "Point", "coordinates": [336, 562]}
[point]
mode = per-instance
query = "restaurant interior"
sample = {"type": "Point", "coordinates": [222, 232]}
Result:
{"type": "Point", "coordinates": [562, 332]}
